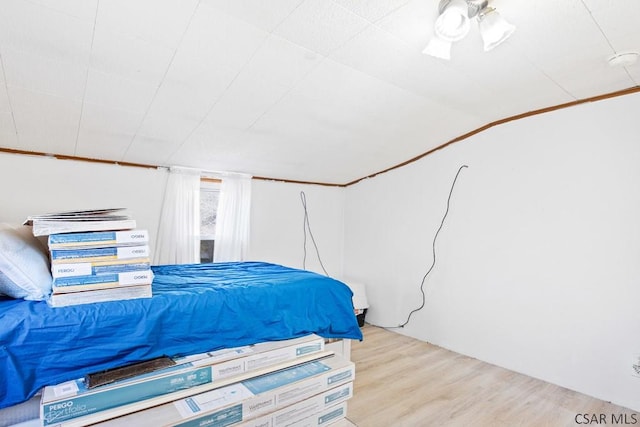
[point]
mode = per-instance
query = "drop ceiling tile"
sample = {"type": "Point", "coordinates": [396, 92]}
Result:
{"type": "Point", "coordinates": [129, 57]}
{"type": "Point", "coordinates": [346, 110]}
{"type": "Point", "coordinates": [214, 50]}
{"type": "Point", "coordinates": [378, 53]}
{"type": "Point", "coordinates": [45, 123]}
{"type": "Point", "coordinates": [519, 83]}
{"type": "Point", "coordinates": [161, 21]}
{"type": "Point", "coordinates": [276, 68]}
{"type": "Point", "coordinates": [102, 144]}
{"type": "Point", "coordinates": [599, 5]}
{"type": "Point", "coordinates": [153, 151]}
{"type": "Point", "coordinates": [106, 133]}
{"type": "Point", "coordinates": [264, 15]}
{"type": "Point", "coordinates": [617, 18]}
{"type": "Point", "coordinates": [595, 78]}
{"type": "Point", "coordinates": [25, 26]}
{"type": "Point", "coordinates": [4, 98]}
{"type": "Point", "coordinates": [8, 138]}
{"type": "Point", "coordinates": [112, 91]}
{"type": "Point", "coordinates": [624, 42]}
{"type": "Point", "coordinates": [375, 10]}
{"type": "Point", "coordinates": [42, 74]}
{"type": "Point", "coordinates": [81, 9]}
{"type": "Point", "coordinates": [540, 39]}
{"type": "Point", "coordinates": [96, 117]}
{"type": "Point", "coordinates": [171, 128]}
{"type": "Point", "coordinates": [332, 95]}
{"type": "Point", "coordinates": [321, 26]}
{"type": "Point", "coordinates": [183, 100]}
{"type": "Point", "coordinates": [412, 23]}
{"type": "Point", "coordinates": [209, 147]}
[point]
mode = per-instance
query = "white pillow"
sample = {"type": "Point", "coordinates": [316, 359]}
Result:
{"type": "Point", "coordinates": [24, 264]}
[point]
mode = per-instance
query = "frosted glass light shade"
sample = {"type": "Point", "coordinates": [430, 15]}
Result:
{"type": "Point", "coordinates": [453, 22]}
{"type": "Point", "coordinates": [494, 29]}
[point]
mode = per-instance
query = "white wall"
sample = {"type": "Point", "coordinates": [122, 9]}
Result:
{"type": "Point", "coordinates": [35, 185]}
{"type": "Point", "coordinates": [537, 266]}
{"type": "Point", "coordinates": [277, 219]}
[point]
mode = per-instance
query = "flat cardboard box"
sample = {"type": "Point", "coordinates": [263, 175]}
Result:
{"type": "Point", "coordinates": [309, 411]}
{"type": "Point", "coordinates": [247, 399]}
{"type": "Point", "coordinates": [191, 375]}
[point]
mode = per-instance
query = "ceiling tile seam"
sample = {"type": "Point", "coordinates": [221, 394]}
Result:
{"type": "Point", "coordinates": [320, 62]}
{"type": "Point", "coordinates": [595, 21]}
{"type": "Point", "coordinates": [86, 78]}
{"type": "Point", "coordinates": [164, 76]}
{"type": "Point", "coordinates": [401, 40]}
{"type": "Point", "coordinates": [392, 35]}
{"type": "Point", "coordinates": [533, 64]}
{"type": "Point", "coordinates": [6, 89]}
{"type": "Point", "coordinates": [613, 49]}
{"type": "Point", "coordinates": [411, 47]}
{"type": "Point", "coordinates": [217, 100]}
{"type": "Point", "coordinates": [54, 10]}
{"type": "Point", "coordinates": [287, 92]}
{"type": "Point", "coordinates": [244, 67]}
{"type": "Point", "coordinates": [551, 79]}
{"type": "Point", "coordinates": [368, 20]}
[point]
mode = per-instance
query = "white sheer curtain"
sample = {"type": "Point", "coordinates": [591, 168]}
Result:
{"type": "Point", "coordinates": [178, 239]}
{"type": "Point", "coordinates": [232, 224]}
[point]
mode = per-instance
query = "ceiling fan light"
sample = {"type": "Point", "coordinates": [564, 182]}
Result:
{"type": "Point", "coordinates": [438, 48]}
{"type": "Point", "coordinates": [494, 29]}
{"type": "Point", "coordinates": [453, 22]}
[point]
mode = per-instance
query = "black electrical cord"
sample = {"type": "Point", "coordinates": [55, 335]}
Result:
{"type": "Point", "coordinates": [305, 226]}
{"type": "Point", "coordinates": [433, 263]}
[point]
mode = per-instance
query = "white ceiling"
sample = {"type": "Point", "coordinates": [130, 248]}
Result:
{"type": "Point", "coordinates": [312, 90]}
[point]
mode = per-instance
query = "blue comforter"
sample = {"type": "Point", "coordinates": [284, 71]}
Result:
{"type": "Point", "coordinates": [194, 308]}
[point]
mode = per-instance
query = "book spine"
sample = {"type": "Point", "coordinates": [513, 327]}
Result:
{"type": "Point", "coordinates": [101, 281]}
{"type": "Point", "coordinates": [99, 254]}
{"type": "Point", "coordinates": [88, 269]}
{"type": "Point", "coordinates": [104, 238]}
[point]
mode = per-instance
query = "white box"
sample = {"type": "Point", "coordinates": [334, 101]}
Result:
{"type": "Point", "coordinates": [306, 411]}
{"type": "Point", "coordinates": [248, 399]}
{"type": "Point", "coordinates": [66, 402]}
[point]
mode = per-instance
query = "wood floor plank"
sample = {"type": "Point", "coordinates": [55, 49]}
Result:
{"type": "Point", "coordinates": [404, 382]}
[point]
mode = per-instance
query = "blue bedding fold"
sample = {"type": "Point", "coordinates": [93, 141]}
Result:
{"type": "Point", "coordinates": [194, 308]}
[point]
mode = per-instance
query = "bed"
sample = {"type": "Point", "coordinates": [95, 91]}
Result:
{"type": "Point", "coordinates": [194, 308]}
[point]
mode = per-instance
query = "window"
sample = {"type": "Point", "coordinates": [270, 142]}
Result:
{"type": "Point", "coordinates": [209, 196]}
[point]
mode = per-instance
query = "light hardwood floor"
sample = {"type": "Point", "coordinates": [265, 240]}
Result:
{"type": "Point", "coordinates": [404, 382]}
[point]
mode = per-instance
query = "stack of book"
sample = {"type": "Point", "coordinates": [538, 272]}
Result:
{"type": "Point", "coordinates": [99, 266]}
{"type": "Point", "coordinates": [96, 256]}
{"type": "Point", "coordinates": [293, 382]}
